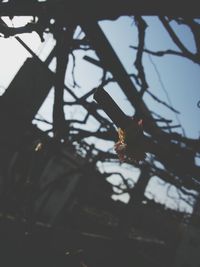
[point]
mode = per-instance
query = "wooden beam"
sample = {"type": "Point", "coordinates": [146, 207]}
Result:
{"type": "Point", "coordinates": [111, 62]}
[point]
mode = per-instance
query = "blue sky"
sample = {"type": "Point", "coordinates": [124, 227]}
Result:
{"type": "Point", "coordinates": [180, 77]}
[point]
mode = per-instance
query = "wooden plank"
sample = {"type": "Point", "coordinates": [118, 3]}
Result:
{"type": "Point", "coordinates": [111, 62]}
{"type": "Point", "coordinates": [23, 98]}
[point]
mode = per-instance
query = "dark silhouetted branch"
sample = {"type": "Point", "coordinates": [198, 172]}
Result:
{"type": "Point", "coordinates": [141, 24]}
{"type": "Point", "coordinates": [64, 39]}
{"type": "Point", "coordinates": [162, 102]}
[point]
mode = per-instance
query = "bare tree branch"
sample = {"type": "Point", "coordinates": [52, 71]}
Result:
{"type": "Point", "coordinates": [141, 24]}
{"type": "Point", "coordinates": [173, 35]}
{"type": "Point", "coordinates": [63, 49]}
{"type": "Point", "coordinates": [161, 53]}
{"type": "Point", "coordinates": [162, 102]}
